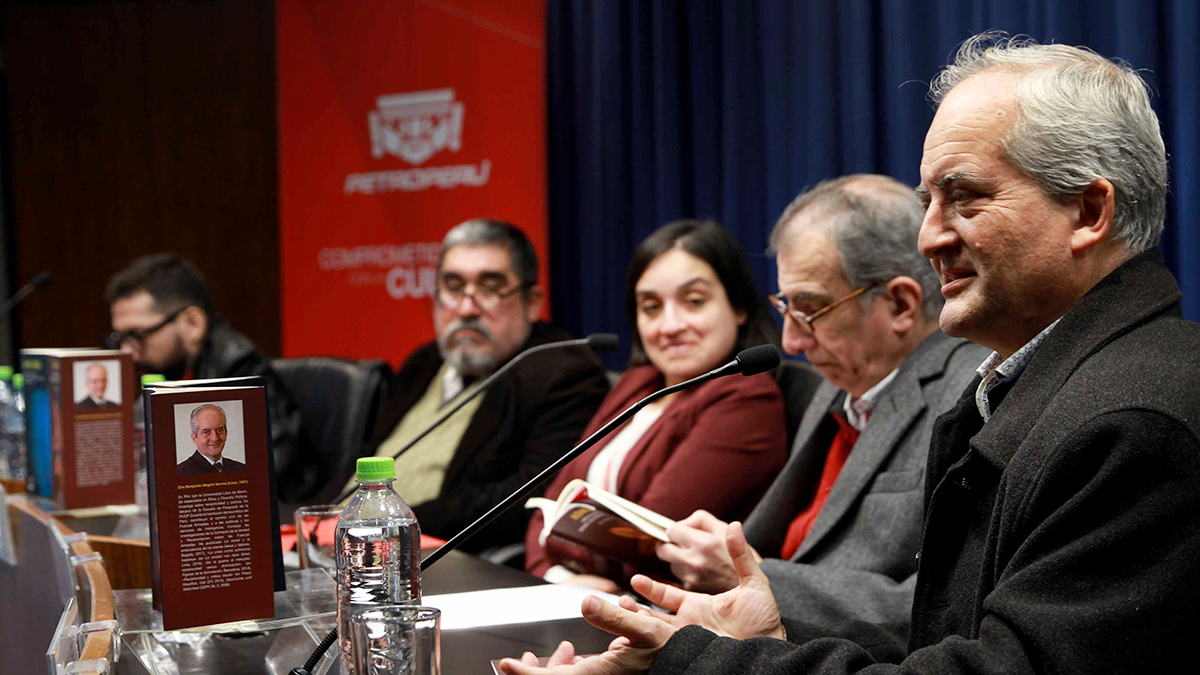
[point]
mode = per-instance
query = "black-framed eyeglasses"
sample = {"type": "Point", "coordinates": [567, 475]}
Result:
{"type": "Point", "coordinates": [782, 305]}
{"type": "Point", "coordinates": [138, 336]}
{"type": "Point", "coordinates": [450, 292]}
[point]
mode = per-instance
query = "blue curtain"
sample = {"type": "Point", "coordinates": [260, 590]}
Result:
{"type": "Point", "coordinates": [726, 109]}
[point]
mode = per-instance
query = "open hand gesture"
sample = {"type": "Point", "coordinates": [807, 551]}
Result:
{"type": "Point", "coordinates": [748, 610]}
{"type": "Point", "coordinates": [641, 636]}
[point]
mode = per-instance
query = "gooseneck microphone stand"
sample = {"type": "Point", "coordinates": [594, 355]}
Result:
{"type": "Point", "coordinates": [600, 342]}
{"type": "Point", "coordinates": [748, 362]}
{"type": "Point", "coordinates": [40, 279]}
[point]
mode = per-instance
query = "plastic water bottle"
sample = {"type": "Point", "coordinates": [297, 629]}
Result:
{"type": "Point", "coordinates": [139, 442]}
{"type": "Point", "coordinates": [377, 547]}
{"type": "Point", "coordinates": [17, 427]}
{"type": "Point", "coordinates": [12, 428]}
{"type": "Point", "coordinates": [137, 525]}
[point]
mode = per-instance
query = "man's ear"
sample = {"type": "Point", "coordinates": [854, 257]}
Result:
{"type": "Point", "coordinates": [193, 325]}
{"type": "Point", "coordinates": [535, 297]}
{"type": "Point", "coordinates": [1096, 209]}
{"type": "Point", "coordinates": [906, 297]}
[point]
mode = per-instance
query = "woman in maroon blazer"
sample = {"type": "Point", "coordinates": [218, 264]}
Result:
{"type": "Point", "coordinates": [716, 447]}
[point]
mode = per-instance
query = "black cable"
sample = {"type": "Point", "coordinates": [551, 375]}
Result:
{"type": "Point", "coordinates": [326, 643]}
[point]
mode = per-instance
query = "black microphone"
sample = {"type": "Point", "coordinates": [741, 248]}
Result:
{"type": "Point", "coordinates": [748, 362]}
{"type": "Point", "coordinates": [600, 342]}
{"type": "Point", "coordinates": [758, 359]}
{"type": "Point", "coordinates": [40, 279]}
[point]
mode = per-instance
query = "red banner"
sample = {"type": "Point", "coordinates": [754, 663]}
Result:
{"type": "Point", "coordinates": [397, 121]}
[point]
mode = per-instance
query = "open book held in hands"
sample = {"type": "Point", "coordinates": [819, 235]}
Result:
{"type": "Point", "coordinates": [593, 531]}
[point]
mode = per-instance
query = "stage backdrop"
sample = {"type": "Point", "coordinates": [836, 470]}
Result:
{"type": "Point", "coordinates": [727, 109]}
{"type": "Point", "coordinates": [398, 120]}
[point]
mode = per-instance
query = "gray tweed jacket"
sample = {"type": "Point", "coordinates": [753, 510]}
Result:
{"type": "Point", "coordinates": [859, 559]}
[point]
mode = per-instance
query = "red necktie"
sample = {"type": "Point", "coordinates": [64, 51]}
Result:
{"type": "Point", "coordinates": [839, 450]}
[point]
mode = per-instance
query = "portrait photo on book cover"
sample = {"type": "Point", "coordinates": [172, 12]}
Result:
{"type": "Point", "coordinates": [209, 438]}
{"type": "Point", "coordinates": [97, 385]}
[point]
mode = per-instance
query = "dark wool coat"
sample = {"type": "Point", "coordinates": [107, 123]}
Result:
{"type": "Point", "coordinates": [1060, 537]}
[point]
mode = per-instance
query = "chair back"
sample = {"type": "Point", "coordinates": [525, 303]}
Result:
{"type": "Point", "coordinates": [340, 401]}
{"type": "Point", "coordinates": [798, 381]}
{"type": "Point", "coordinates": [57, 601]}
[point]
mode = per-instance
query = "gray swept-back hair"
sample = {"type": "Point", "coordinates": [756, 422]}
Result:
{"type": "Point", "coordinates": [485, 231]}
{"type": "Point", "coordinates": [206, 406]}
{"type": "Point", "coordinates": [1080, 117]}
{"type": "Point", "coordinates": [874, 222]}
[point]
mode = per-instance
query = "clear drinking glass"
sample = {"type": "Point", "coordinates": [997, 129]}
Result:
{"type": "Point", "coordinates": [315, 529]}
{"type": "Point", "coordinates": [397, 640]}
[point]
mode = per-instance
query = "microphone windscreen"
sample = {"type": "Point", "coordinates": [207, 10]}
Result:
{"type": "Point", "coordinates": [603, 342]}
{"type": "Point", "coordinates": [758, 359]}
{"type": "Point", "coordinates": [41, 279]}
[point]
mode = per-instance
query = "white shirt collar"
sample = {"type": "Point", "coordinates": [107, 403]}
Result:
{"type": "Point", "coordinates": [452, 384]}
{"type": "Point", "coordinates": [857, 409]}
{"type": "Point", "coordinates": [210, 461]}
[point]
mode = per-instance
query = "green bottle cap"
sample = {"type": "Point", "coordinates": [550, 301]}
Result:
{"type": "Point", "coordinates": [151, 378]}
{"type": "Point", "coordinates": [376, 468]}
{"type": "Point", "coordinates": [6, 373]}
{"type": "Point", "coordinates": [18, 380]}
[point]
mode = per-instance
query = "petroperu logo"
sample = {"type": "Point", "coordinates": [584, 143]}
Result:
{"type": "Point", "coordinates": [414, 127]}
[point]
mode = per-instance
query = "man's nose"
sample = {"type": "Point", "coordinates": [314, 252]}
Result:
{"type": "Point", "coordinates": [796, 338]}
{"type": "Point", "coordinates": [468, 306]}
{"type": "Point", "coordinates": [935, 233]}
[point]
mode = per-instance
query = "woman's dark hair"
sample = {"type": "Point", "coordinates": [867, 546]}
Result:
{"type": "Point", "coordinates": [709, 241]}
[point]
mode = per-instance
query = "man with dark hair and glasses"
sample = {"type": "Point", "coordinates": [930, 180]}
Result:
{"type": "Point", "coordinates": [485, 311]}
{"type": "Point", "coordinates": [162, 314]}
{"type": "Point", "coordinates": [840, 526]}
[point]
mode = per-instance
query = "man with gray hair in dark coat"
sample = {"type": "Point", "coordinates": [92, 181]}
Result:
{"type": "Point", "coordinates": [1061, 495]}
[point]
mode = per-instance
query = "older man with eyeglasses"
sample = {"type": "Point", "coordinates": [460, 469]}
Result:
{"type": "Point", "coordinates": [485, 311]}
{"type": "Point", "coordinates": [841, 525]}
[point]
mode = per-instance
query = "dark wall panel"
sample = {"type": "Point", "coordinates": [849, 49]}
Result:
{"type": "Point", "coordinates": [136, 127]}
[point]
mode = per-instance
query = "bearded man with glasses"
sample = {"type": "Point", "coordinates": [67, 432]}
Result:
{"type": "Point", "coordinates": [163, 314]}
{"type": "Point", "coordinates": [841, 525]}
{"type": "Point", "coordinates": [485, 311]}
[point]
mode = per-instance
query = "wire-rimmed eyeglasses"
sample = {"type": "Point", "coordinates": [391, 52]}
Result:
{"type": "Point", "coordinates": [451, 290]}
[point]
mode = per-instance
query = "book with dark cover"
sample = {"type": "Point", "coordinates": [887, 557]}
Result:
{"type": "Point", "coordinates": [79, 425]}
{"type": "Point", "coordinates": [592, 531]}
{"type": "Point", "coordinates": [590, 539]}
{"type": "Point", "coordinates": [215, 555]}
